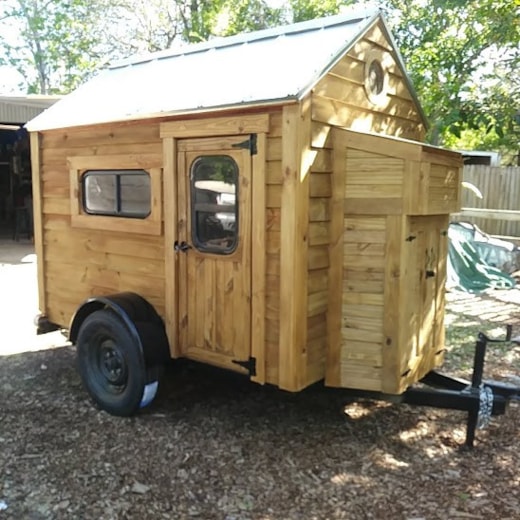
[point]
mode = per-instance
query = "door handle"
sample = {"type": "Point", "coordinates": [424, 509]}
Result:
{"type": "Point", "coordinates": [181, 246]}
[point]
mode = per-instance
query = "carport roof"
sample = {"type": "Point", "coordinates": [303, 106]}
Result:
{"type": "Point", "coordinates": [259, 68]}
{"type": "Point", "coordinates": [20, 109]}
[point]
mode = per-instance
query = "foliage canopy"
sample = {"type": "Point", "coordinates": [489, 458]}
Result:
{"type": "Point", "coordinates": [462, 55]}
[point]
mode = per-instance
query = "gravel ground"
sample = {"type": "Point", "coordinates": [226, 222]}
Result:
{"type": "Point", "coordinates": [214, 446]}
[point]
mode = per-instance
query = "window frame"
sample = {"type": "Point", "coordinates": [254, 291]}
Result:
{"type": "Point", "coordinates": [150, 163]}
{"type": "Point", "coordinates": [118, 174]}
{"type": "Point", "coordinates": [195, 239]}
{"type": "Point", "coordinates": [375, 56]}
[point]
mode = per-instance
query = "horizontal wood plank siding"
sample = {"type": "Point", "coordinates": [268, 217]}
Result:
{"type": "Point", "coordinates": [320, 192]}
{"type": "Point", "coordinates": [363, 310]}
{"type": "Point", "coordinates": [393, 259]}
{"type": "Point", "coordinates": [81, 263]}
{"type": "Point", "coordinates": [374, 181]}
{"type": "Point", "coordinates": [340, 99]}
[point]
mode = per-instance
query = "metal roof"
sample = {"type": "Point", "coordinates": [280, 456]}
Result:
{"type": "Point", "coordinates": [262, 67]}
{"type": "Point", "coordinates": [20, 109]}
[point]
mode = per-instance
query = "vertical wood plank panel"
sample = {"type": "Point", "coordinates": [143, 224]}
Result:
{"type": "Point", "coordinates": [296, 132]}
{"type": "Point", "coordinates": [181, 261]}
{"type": "Point", "coordinates": [258, 259]}
{"type": "Point", "coordinates": [170, 231]}
{"type": "Point", "coordinates": [334, 316]}
{"type": "Point", "coordinates": [38, 218]}
{"type": "Point", "coordinates": [394, 300]}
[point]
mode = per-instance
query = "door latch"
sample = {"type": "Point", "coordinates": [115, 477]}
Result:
{"type": "Point", "coordinates": [181, 246]}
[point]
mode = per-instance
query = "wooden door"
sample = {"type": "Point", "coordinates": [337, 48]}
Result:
{"type": "Point", "coordinates": [213, 249]}
{"type": "Point", "coordinates": [426, 286]}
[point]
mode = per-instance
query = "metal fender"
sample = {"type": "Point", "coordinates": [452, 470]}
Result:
{"type": "Point", "coordinates": [138, 315]}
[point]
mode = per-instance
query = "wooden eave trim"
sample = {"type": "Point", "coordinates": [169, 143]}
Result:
{"type": "Point", "coordinates": [216, 126]}
{"type": "Point", "coordinates": [399, 148]}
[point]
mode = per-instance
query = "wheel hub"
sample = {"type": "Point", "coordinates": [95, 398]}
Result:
{"type": "Point", "coordinates": [112, 363]}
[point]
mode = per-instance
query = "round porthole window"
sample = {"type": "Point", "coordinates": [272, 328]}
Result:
{"type": "Point", "coordinates": [375, 80]}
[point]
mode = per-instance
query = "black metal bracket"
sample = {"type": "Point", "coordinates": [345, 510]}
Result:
{"type": "Point", "coordinates": [248, 144]}
{"type": "Point", "coordinates": [480, 398]}
{"type": "Point", "coordinates": [44, 325]}
{"type": "Point", "coordinates": [249, 365]}
{"type": "Point", "coordinates": [182, 246]}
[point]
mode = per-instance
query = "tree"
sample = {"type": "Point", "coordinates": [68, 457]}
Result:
{"type": "Point", "coordinates": [448, 46]}
{"type": "Point", "coordinates": [53, 44]}
{"type": "Point", "coordinates": [303, 10]}
{"type": "Point", "coordinates": [462, 55]}
{"type": "Point", "coordinates": [240, 16]}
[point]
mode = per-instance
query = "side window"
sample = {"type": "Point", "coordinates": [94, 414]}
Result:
{"type": "Point", "coordinates": [119, 193]}
{"type": "Point", "coordinates": [214, 204]}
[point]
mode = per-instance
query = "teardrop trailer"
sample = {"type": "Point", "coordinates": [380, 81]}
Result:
{"type": "Point", "coordinates": [261, 203]}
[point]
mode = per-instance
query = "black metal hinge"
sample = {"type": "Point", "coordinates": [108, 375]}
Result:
{"type": "Point", "coordinates": [249, 365]}
{"type": "Point", "coordinates": [248, 144]}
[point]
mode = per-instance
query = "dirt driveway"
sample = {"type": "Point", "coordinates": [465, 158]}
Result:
{"type": "Point", "coordinates": [214, 446]}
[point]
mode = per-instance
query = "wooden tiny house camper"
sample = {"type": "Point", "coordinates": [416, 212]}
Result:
{"type": "Point", "coordinates": [262, 203]}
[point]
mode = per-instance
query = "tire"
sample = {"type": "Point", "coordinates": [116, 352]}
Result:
{"type": "Point", "coordinates": [111, 365]}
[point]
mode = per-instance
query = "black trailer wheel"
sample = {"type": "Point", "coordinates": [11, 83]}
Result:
{"type": "Point", "coordinates": [111, 364]}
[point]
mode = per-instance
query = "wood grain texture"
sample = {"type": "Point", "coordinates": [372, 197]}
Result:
{"type": "Point", "coordinates": [294, 223]}
{"type": "Point", "coordinates": [171, 286]}
{"type": "Point", "coordinates": [258, 259]}
{"type": "Point", "coordinates": [335, 268]}
{"type": "Point", "coordinates": [216, 126]}
{"type": "Point", "coordinates": [39, 221]}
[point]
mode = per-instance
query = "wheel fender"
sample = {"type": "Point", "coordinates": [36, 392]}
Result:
{"type": "Point", "coordinates": [139, 317]}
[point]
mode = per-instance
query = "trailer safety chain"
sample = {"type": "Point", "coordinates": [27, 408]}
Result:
{"type": "Point", "coordinates": [486, 407]}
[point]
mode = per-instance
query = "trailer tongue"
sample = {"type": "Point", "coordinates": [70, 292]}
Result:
{"type": "Point", "coordinates": [481, 398]}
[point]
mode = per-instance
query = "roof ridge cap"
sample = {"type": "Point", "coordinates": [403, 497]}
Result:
{"type": "Point", "coordinates": [244, 38]}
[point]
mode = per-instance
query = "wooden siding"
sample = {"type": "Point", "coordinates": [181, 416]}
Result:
{"type": "Point", "coordinates": [273, 181]}
{"type": "Point", "coordinates": [374, 180]}
{"type": "Point", "coordinates": [297, 158]}
{"type": "Point", "coordinates": [340, 98]}
{"type": "Point", "coordinates": [386, 304]}
{"type": "Point", "coordinates": [79, 263]}
{"type": "Point", "coordinates": [320, 193]}
{"type": "Point", "coordinates": [364, 241]}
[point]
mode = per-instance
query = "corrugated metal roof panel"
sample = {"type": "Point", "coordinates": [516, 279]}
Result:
{"type": "Point", "coordinates": [20, 109]}
{"type": "Point", "coordinates": [256, 68]}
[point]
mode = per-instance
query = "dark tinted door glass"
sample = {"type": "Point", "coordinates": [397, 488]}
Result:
{"type": "Point", "coordinates": [214, 204]}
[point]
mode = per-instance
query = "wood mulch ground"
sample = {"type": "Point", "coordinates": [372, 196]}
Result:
{"type": "Point", "coordinates": [214, 446]}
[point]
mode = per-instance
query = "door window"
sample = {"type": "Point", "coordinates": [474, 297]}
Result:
{"type": "Point", "coordinates": [214, 204]}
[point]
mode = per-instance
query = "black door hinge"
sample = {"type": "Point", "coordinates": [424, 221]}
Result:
{"type": "Point", "coordinates": [248, 144]}
{"type": "Point", "coordinates": [249, 365]}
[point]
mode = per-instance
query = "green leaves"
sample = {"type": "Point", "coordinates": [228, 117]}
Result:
{"type": "Point", "coordinates": [50, 43]}
{"type": "Point", "coordinates": [462, 55]}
